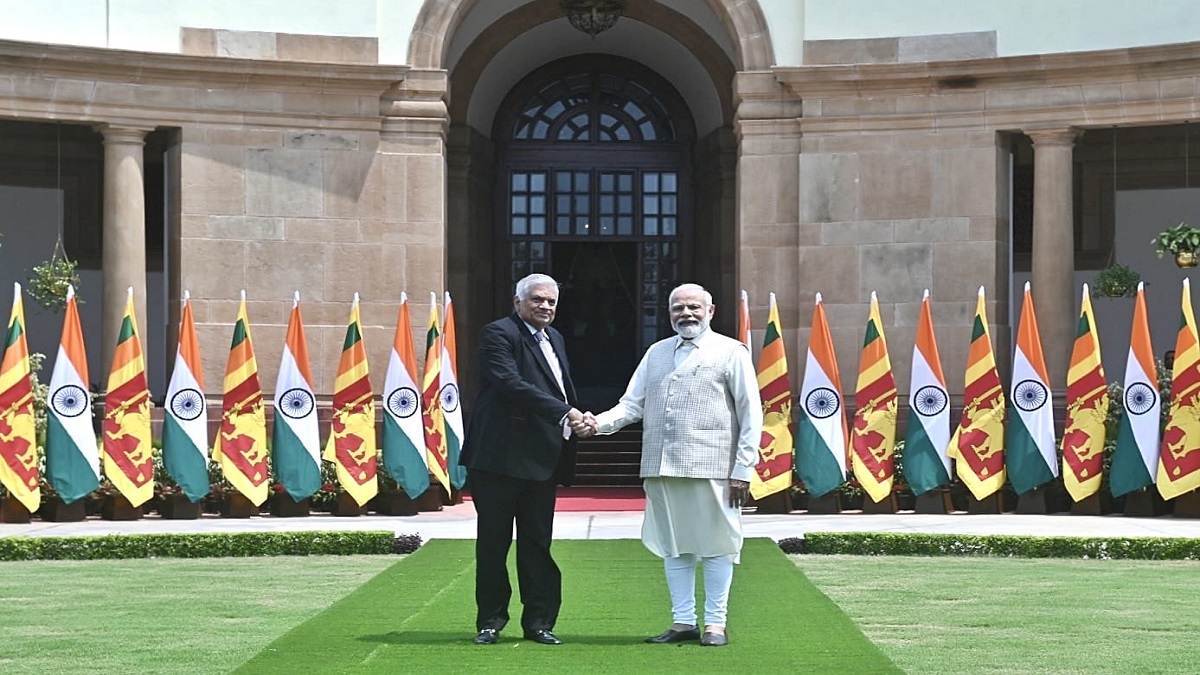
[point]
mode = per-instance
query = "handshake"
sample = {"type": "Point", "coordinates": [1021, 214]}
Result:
{"type": "Point", "coordinates": [583, 424]}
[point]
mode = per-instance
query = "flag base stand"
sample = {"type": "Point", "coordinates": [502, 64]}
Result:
{"type": "Point", "coordinates": [885, 505]}
{"type": "Point", "coordinates": [1095, 504]}
{"type": "Point", "coordinates": [1187, 505]}
{"type": "Point", "coordinates": [283, 505]}
{"type": "Point", "coordinates": [989, 504]}
{"type": "Point", "coordinates": [117, 507]}
{"type": "Point", "coordinates": [431, 499]}
{"type": "Point", "coordinates": [347, 507]}
{"type": "Point", "coordinates": [237, 505]}
{"type": "Point", "coordinates": [1032, 502]}
{"type": "Point", "coordinates": [55, 510]}
{"type": "Point", "coordinates": [828, 503]}
{"type": "Point", "coordinates": [779, 502]}
{"type": "Point", "coordinates": [455, 497]}
{"type": "Point", "coordinates": [395, 503]}
{"type": "Point", "coordinates": [1145, 503]}
{"type": "Point", "coordinates": [935, 501]}
{"type": "Point", "coordinates": [177, 506]}
{"type": "Point", "coordinates": [13, 511]}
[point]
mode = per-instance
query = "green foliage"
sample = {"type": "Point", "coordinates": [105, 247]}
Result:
{"type": "Point", "coordinates": [1115, 281]}
{"type": "Point", "coordinates": [48, 282]}
{"type": "Point", "coordinates": [1104, 548]}
{"type": "Point", "coordinates": [228, 545]}
{"type": "Point", "coordinates": [1182, 238]}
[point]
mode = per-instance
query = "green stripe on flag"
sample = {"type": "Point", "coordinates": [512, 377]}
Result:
{"type": "Point", "coordinates": [353, 336]}
{"type": "Point", "coordinates": [14, 333]}
{"type": "Point", "coordinates": [402, 460]}
{"type": "Point", "coordinates": [295, 468]}
{"type": "Point", "coordinates": [923, 468]}
{"type": "Point", "coordinates": [1128, 471]}
{"type": "Point", "coordinates": [872, 333]}
{"type": "Point", "coordinates": [815, 462]}
{"type": "Point", "coordinates": [1026, 467]}
{"type": "Point", "coordinates": [67, 470]}
{"type": "Point", "coordinates": [126, 329]}
{"type": "Point", "coordinates": [183, 461]}
{"type": "Point", "coordinates": [239, 334]}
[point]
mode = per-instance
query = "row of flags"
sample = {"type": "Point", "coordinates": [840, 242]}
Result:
{"type": "Point", "coordinates": [1002, 435]}
{"type": "Point", "coordinates": [422, 429]}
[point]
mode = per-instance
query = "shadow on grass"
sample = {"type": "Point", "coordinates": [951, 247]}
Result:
{"type": "Point", "coordinates": [431, 638]}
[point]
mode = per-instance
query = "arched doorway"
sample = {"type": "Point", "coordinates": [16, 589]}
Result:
{"type": "Point", "coordinates": [594, 187]}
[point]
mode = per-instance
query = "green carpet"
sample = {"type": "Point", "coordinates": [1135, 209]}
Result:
{"type": "Point", "coordinates": [418, 616]}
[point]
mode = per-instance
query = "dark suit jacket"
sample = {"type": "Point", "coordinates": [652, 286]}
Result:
{"type": "Point", "coordinates": [514, 428]}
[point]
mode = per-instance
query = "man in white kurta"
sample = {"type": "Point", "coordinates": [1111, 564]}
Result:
{"type": "Point", "coordinates": [697, 395]}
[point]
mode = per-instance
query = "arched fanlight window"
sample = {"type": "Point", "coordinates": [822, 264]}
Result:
{"type": "Point", "coordinates": [588, 108]}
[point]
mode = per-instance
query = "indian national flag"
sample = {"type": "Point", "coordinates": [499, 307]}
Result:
{"type": "Point", "coordinates": [18, 451]}
{"type": "Point", "coordinates": [241, 447]}
{"type": "Point", "coordinates": [978, 442]}
{"type": "Point", "coordinates": [775, 451]}
{"type": "Point", "coordinates": [1135, 459]}
{"type": "Point", "coordinates": [1179, 459]}
{"type": "Point", "coordinates": [1032, 458]}
{"type": "Point", "coordinates": [295, 443]}
{"type": "Point", "coordinates": [128, 455]}
{"type": "Point", "coordinates": [873, 433]}
{"type": "Point", "coordinates": [821, 433]}
{"type": "Point", "coordinates": [743, 324]}
{"type": "Point", "coordinates": [431, 406]}
{"type": "Point", "coordinates": [451, 410]}
{"type": "Point", "coordinates": [403, 435]}
{"type": "Point", "coordinates": [185, 424]}
{"type": "Point", "coordinates": [926, 462]}
{"type": "Point", "coordinates": [72, 458]}
{"type": "Point", "coordinates": [351, 445]}
{"type": "Point", "coordinates": [1087, 408]}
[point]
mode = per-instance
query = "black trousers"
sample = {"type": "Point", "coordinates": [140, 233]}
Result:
{"type": "Point", "coordinates": [501, 501]}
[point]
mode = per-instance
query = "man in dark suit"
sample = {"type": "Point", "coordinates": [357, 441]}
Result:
{"type": "Point", "coordinates": [520, 445]}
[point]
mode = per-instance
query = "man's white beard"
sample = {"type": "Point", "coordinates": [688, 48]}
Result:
{"type": "Point", "coordinates": [691, 330]}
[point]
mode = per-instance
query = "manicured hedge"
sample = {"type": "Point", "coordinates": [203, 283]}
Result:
{"type": "Point", "coordinates": [1105, 548]}
{"type": "Point", "coordinates": [239, 544]}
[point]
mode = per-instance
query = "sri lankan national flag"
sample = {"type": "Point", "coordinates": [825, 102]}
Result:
{"type": "Point", "coordinates": [452, 416]}
{"type": "Point", "coordinates": [241, 446]}
{"type": "Point", "coordinates": [978, 442]}
{"type": "Point", "coordinates": [873, 432]}
{"type": "Point", "coordinates": [776, 455]}
{"type": "Point", "coordinates": [351, 445]}
{"type": "Point", "coordinates": [431, 405]}
{"type": "Point", "coordinates": [1179, 460]}
{"type": "Point", "coordinates": [18, 431]}
{"type": "Point", "coordinates": [126, 450]}
{"type": "Point", "coordinates": [1087, 408]}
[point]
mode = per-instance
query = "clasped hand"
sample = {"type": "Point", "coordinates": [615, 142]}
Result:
{"type": "Point", "coordinates": [583, 424]}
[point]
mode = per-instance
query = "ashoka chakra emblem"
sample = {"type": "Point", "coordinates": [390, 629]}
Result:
{"type": "Point", "coordinates": [822, 402]}
{"type": "Point", "coordinates": [930, 400]}
{"type": "Point", "coordinates": [1029, 395]}
{"type": "Point", "coordinates": [1140, 398]}
{"type": "Point", "coordinates": [403, 402]}
{"type": "Point", "coordinates": [296, 403]}
{"type": "Point", "coordinates": [187, 404]}
{"type": "Point", "coordinates": [69, 400]}
{"type": "Point", "coordinates": [450, 397]}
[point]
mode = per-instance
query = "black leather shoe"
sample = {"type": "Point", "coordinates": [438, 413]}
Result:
{"type": "Point", "coordinates": [543, 636]}
{"type": "Point", "coordinates": [714, 640]}
{"type": "Point", "coordinates": [487, 636]}
{"type": "Point", "coordinates": [672, 635]}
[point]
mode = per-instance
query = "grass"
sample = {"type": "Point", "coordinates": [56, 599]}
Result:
{"type": "Point", "coordinates": [162, 615]}
{"type": "Point", "coordinates": [1012, 615]}
{"type": "Point", "coordinates": [418, 616]}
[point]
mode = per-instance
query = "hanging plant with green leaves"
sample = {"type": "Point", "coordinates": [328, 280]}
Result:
{"type": "Point", "coordinates": [1115, 281]}
{"type": "Point", "coordinates": [48, 282]}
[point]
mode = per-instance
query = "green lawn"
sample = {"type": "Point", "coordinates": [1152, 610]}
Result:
{"type": "Point", "coordinates": [1013, 615]}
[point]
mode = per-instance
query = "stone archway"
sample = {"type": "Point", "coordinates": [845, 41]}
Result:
{"type": "Point", "coordinates": [743, 19]}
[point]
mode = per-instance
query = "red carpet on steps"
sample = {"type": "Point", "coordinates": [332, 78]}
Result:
{"type": "Point", "coordinates": [598, 499]}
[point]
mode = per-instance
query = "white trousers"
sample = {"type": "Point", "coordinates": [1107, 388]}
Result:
{"type": "Point", "coordinates": [681, 583]}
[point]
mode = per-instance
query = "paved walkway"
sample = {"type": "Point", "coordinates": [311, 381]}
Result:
{"type": "Point", "coordinates": [458, 522]}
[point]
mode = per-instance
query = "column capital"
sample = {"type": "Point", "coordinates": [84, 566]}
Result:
{"type": "Point", "coordinates": [1062, 136]}
{"type": "Point", "coordinates": [123, 134]}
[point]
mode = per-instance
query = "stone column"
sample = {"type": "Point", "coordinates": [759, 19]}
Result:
{"type": "Point", "coordinates": [1054, 247]}
{"type": "Point", "coordinates": [124, 254]}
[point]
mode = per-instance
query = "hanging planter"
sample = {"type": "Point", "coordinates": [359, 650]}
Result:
{"type": "Point", "coordinates": [1182, 241]}
{"type": "Point", "coordinates": [1115, 281]}
{"type": "Point", "coordinates": [48, 282]}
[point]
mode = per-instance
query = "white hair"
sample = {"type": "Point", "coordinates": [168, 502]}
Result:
{"type": "Point", "coordinates": [690, 287]}
{"type": "Point", "coordinates": [533, 281]}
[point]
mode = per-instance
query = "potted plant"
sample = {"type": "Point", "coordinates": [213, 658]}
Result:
{"type": "Point", "coordinates": [1182, 241]}
{"type": "Point", "coordinates": [1115, 281]}
{"type": "Point", "coordinates": [49, 280]}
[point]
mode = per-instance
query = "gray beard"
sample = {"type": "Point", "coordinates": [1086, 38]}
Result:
{"type": "Point", "coordinates": [691, 330]}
